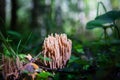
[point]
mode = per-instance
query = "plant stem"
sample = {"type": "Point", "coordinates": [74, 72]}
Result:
{"type": "Point", "coordinates": [102, 6]}
{"type": "Point", "coordinates": [117, 29]}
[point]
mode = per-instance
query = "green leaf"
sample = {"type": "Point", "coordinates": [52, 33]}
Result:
{"type": "Point", "coordinates": [85, 67]}
{"type": "Point", "coordinates": [47, 59]}
{"type": "Point", "coordinates": [109, 16]}
{"type": "Point", "coordinates": [13, 33]}
{"type": "Point", "coordinates": [43, 75]}
{"type": "Point", "coordinates": [73, 59]}
{"type": "Point", "coordinates": [98, 23]}
{"type": "Point", "coordinates": [77, 60]}
{"type": "Point", "coordinates": [6, 52]}
{"type": "Point", "coordinates": [22, 56]}
{"type": "Point", "coordinates": [105, 20]}
{"type": "Point", "coordinates": [79, 48]}
{"type": "Point", "coordinates": [94, 23]}
{"type": "Point", "coordinates": [18, 46]}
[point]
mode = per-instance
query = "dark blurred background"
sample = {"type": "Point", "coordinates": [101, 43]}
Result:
{"type": "Point", "coordinates": [42, 17]}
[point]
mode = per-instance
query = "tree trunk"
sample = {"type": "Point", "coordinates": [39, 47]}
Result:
{"type": "Point", "coordinates": [2, 29]}
{"type": "Point", "coordinates": [37, 20]}
{"type": "Point", "coordinates": [2, 17]}
{"type": "Point", "coordinates": [35, 13]}
{"type": "Point", "coordinates": [13, 23]}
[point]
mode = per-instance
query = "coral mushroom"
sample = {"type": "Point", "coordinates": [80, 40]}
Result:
{"type": "Point", "coordinates": [58, 49]}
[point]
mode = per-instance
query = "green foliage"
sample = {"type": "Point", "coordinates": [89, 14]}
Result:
{"type": "Point", "coordinates": [105, 20]}
{"type": "Point", "coordinates": [44, 75]}
{"type": "Point", "coordinates": [109, 16]}
{"type": "Point", "coordinates": [7, 47]}
{"type": "Point", "coordinates": [98, 23]}
{"type": "Point", "coordinates": [14, 34]}
{"type": "Point", "coordinates": [78, 48]}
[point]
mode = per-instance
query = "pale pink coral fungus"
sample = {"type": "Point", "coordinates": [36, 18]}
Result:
{"type": "Point", "coordinates": [58, 48]}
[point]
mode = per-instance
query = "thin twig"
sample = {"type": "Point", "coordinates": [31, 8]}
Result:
{"type": "Point", "coordinates": [33, 59]}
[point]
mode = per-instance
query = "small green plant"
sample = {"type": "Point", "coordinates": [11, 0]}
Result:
{"type": "Point", "coordinates": [105, 21]}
